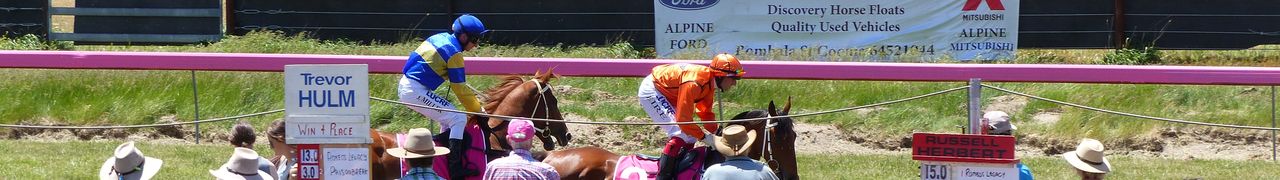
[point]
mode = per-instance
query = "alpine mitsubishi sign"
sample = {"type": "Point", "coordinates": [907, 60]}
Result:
{"type": "Point", "coordinates": [829, 29]}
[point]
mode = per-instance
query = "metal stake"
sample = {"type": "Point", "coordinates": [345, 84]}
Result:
{"type": "Point", "coordinates": [975, 105]}
{"type": "Point", "coordinates": [195, 95]}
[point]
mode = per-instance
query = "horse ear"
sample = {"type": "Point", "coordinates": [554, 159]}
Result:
{"type": "Point", "coordinates": [773, 110]}
{"type": "Point", "coordinates": [553, 75]}
{"type": "Point", "coordinates": [786, 109]}
{"type": "Point", "coordinates": [550, 75]}
{"type": "Point", "coordinates": [537, 73]}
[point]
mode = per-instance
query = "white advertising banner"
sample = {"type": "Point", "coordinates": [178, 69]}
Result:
{"type": "Point", "coordinates": [326, 104]}
{"type": "Point", "coordinates": [827, 29]}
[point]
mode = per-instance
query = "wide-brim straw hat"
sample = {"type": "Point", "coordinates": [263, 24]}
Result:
{"type": "Point", "coordinates": [1089, 157]}
{"type": "Point", "coordinates": [133, 164]}
{"type": "Point", "coordinates": [243, 165]}
{"type": "Point", "coordinates": [735, 140]}
{"type": "Point", "coordinates": [418, 145]}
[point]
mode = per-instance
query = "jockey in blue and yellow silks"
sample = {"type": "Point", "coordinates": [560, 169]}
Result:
{"type": "Point", "coordinates": [437, 60]}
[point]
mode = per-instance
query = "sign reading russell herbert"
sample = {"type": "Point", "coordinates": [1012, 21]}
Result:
{"type": "Point", "coordinates": [868, 29]}
{"type": "Point", "coordinates": [964, 156]}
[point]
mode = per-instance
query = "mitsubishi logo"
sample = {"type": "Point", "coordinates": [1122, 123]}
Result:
{"type": "Point", "coordinates": [970, 5]}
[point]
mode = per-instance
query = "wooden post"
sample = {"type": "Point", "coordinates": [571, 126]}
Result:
{"type": "Point", "coordinates": [1118, 25]}
{"type": "Point", "coordinates": [228, 16]}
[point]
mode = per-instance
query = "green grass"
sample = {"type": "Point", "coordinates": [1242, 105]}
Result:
{"type": "Point", "coordinates": [1042, 167]}
{"type": "Point", "coordinates": [93, 97]}
{"type": "Point", "coordinates": [81, 159]}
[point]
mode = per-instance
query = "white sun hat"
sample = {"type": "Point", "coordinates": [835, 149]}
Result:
{"type": "Point", "coordinates": [128, 163]}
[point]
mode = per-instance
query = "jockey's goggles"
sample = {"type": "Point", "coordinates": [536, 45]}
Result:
{"type": "Point", "coordinates": [736, 75]}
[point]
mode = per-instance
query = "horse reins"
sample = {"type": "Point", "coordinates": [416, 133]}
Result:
{"type": "Point", "coordinates": [542, 101]}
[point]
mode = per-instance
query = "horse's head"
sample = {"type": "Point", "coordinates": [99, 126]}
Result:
{"type": "Point", "coordinates": [533, 98]}
{"type": "Point", "coordinates": [544, 105]}
{"type": "Point", "coordinates": [778, 136]}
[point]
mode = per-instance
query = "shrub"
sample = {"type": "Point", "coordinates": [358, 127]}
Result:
{"type": "Point", "coordinates": [32, 42]}
{"type": "Point", "coordinates": [1133, 56]}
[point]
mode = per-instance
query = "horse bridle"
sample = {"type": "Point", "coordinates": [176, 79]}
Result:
{"type": "Point", "coordinates": [767, 143]}
{"type": "Point", "coordinates": [542, 101]}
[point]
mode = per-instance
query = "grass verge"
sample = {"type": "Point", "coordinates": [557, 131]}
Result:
{"type": "Point", "coordinates": [81, 159]}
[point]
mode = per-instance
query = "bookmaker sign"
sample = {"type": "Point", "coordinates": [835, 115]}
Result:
{"type": "Point", "coordinates": [870, 29]}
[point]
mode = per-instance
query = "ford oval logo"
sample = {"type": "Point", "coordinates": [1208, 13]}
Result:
{"type": "Point", "coordinates": [688, 4]}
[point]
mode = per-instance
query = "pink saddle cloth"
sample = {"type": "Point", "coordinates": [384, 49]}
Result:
{"type": "Point", "coordinates": [633, 167]}
{"type": "Point", "coordinates": [476, 157]}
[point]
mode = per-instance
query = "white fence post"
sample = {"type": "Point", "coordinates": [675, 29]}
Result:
{"type": "Point", "coordinates": [975, 105]}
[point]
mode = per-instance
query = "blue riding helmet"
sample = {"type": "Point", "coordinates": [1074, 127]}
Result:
{"type": "Point", "coordinates": [470, 25]}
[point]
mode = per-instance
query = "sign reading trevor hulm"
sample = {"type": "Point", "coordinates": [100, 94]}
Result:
{"type": "Point", "coordinates": [884, 30]}
{"type": "Point", "coordinates": [326, 104]}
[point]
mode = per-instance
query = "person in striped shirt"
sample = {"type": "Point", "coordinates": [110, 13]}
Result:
{"type": "Point", "coordinates": [520, 164]}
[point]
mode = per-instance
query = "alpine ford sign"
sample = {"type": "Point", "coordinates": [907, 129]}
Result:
{"type": "Point", "coordinates": [828, 30]}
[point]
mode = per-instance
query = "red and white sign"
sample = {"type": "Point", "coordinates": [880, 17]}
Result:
{"type": "Point", "coordinates": [316, 162]}
{"type": "Point", "coordinates": [309, 161]}
{"type": "Point", "coordinates": [962, 148]}
{"type": "Point", "coordinates": [964, 156]}
{"type": "Point", "coordinates": [933, 170]}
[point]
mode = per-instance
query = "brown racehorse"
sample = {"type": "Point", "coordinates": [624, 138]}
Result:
{"type": "Point", "coordinates": [779, 138]}
{"type": "Point", "coordinates": [512, 97]}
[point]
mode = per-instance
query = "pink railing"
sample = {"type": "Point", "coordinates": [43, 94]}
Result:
{"type": "Point", "coordinates": [640, 67]}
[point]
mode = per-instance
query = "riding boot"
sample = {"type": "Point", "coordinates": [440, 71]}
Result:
{"type": "Point", "coordinates": [457, 148]}
{"type": "Point", "coordinates": [667, 167]}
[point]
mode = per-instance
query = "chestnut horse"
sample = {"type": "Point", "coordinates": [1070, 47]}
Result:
{"type": "Point", "coordinates": [512, 97]}
{"type": "Point", "coordinates": [778, 138]}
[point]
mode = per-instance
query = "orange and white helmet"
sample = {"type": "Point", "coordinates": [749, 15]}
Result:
{"type": "Point", "coordinates": [728, 65]}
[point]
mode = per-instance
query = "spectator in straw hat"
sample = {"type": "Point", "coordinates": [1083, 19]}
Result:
{"type": "Point", "coordinates": [737, 165]}
{"type": "Point", "coordinates": [999, 123]}
{"type": "Point", "coordinates": [1089, 160]}
{"type": "Point", "coordinates": [242, 136]}
{"type": "Point", "coordinates": [243, 165]}
{"type": "Point", "coordinates": [128, 163]}
{"type": "Point", "coordinates": [520, 165]}
{"type": "Point", "coordinates": [418, 151]}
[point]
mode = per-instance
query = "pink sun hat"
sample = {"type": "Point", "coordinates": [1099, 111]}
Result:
{"type": "Point", "coordinates": [520, 130]}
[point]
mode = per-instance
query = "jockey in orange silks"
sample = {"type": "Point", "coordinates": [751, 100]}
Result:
{"type": "Point", "coordinates": [675, 92]}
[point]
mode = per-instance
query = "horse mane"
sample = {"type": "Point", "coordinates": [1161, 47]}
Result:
{"type": "Point", "coordinates": [499, 93]}
{"type": "Point", "coordinates": [748, 115]}
{"type": "Point", "coordinates": [785, 125]}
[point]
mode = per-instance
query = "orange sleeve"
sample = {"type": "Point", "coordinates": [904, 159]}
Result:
{"type": "Point", "coordinates": [684, 108]}
{"type": "Point", "coordinates": [707, 112]}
